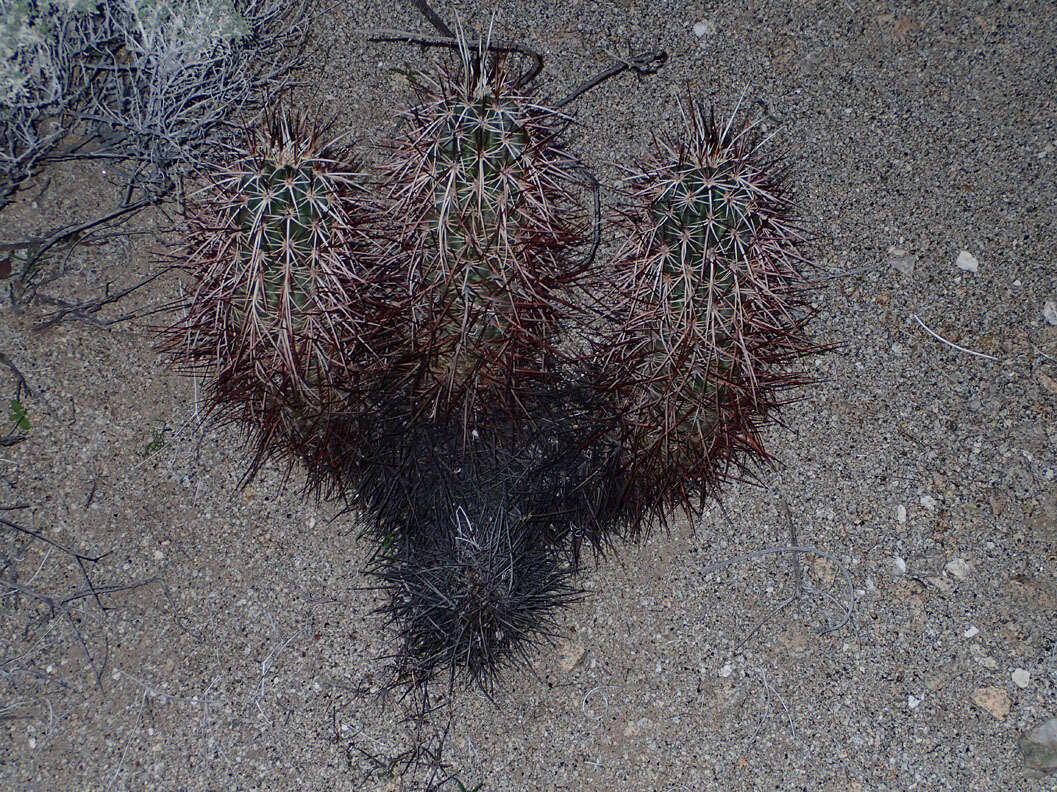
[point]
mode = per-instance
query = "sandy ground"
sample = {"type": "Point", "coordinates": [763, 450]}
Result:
{"type": "Point", "coordinates": [252, 660]}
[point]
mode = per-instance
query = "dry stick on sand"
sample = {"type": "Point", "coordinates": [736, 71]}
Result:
{"type": "Point", "coordinates": [801, 590]}
{"type": "Point", "coordinates": [951, 344]}
{"type": "Point", "coordinates": [62, 604]}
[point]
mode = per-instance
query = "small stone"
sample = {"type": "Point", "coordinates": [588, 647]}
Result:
{"type": "Point", "coordinates": [913, 702]}
{"type": "Point", "coordinates": [936, 680]}
{"type": "Point", "coordinates": [983, 658]}
{"type": "Point", "coordinates": [569, 655]}
{"type": "Point", "coordinates": [901, 261]}
{"type": "Point", "coordinates": [1021, 678]}
{"type": "Point", "coordinates": [972, 632]}
{"type": "Point", "coordinates": [1039, 747]}
{"type": "Point", "coordinates": [928, 502]}
{"type": "Point", "coordinates": [901, 513]}
{"type": "Point", "coordinates": [1049, 312]}
{"type": "Point", "coordinates": [726, 670]}
{"type": "Point", "coordinates": [901, 565]}
{"type": "Point", "coordinates": [968, 262]}
{"type": "Point", "coordinates": [992, 700]}
{"type": "Point", "coordinates": [824, 569]}
{"type": "Point", "coordinates": [940, 584]}
{"type": "Point", "coordinates": [704, 28]}
{"type": "Point", "coordinates": [959, 567]}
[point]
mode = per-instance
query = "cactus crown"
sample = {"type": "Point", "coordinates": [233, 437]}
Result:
{"type": "Point", "coordinates": [282, 220]}
{"type": "Point", "coordinates": [705, 219]}
{"type": "Point", "coordinates": [285, 210]}
{"type": "Point", "coordinates": [477, 163]}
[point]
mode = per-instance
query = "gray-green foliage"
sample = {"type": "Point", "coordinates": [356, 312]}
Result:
{"type": "Point", "coordinates": [150, 82]}
{"type": "Point", "coordinates": [40, 45]}
{"type": "Point", "coordinates": [33, 36]}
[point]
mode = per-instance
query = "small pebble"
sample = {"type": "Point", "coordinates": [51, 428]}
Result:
{"type": "Point", "coordinates": [959, 568]}
{"type": "Point", "coordinates": [901, 261]}
{"type": "Point", "coordinates": [968, 262]}
{"type": "Point", "coordinates": [913, 702]}
{"type": "Point", "coordinates": [726, 670]}
{"type": "Point", "coordinates": [1021, 678]}
{"type": "Point", "coordinates": [1049, 312]}
{"type": "Point", "coordinates": [928, 502]}
{"type": "Point", "coordinates": [992, 700]}
{"type": "Point", "coordinates": [901, 565]}
{"type": "Point", "coordinates": [1049, 383]}
{"type": "Point", "coordinates": [704, 28]}
{"type": "Point", "coordinates": [1039, 747]}
{"type": "Point", "coordinates": [901, 513]}
{"type": "Point", "coordinates": [983, 658]}
{"type": "Point", "coordinates": [569, 654]}
{"type": "Point", "coordinates": [972, 632]}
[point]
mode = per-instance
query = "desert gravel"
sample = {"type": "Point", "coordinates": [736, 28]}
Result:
{"type": "Point", "coordinates": [921, 147]}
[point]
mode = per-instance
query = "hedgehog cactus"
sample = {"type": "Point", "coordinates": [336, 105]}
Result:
{"type": "Point", "coordinates": [708, 281]}
{"type": "Point", "coordinates": [282, 311]}
{"type": "Point", "coordinates": [486, 204]}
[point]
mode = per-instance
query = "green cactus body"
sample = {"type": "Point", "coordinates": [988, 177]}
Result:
{"type": "Point", "coordinates": [283, 221]}
{"type": "Point", "coordinates": [709, 276]}
{"type": "Point", "coordinates": [281, 317]}
{"type": "Point", "coordinates": [482, 195]}
{"type": "Point", "coordinates": [478, 171]}
{"type": "Point", "coordinates": [706, 220]}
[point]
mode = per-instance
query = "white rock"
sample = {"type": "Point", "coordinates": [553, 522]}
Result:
{"type": "Point", "coordinates": [1021, 678]}
{"type": "Point", "coordinates": [928, 502]}
{"type": "Point", "coordinates": [968, 262]}
{"type": "Point", "coordinates": [972, 632]}
{"type": "Point", "coordinates": [1049, 312]}
{"type": "Point", "coordinates": [901, 261]}
{"type": "Point", "coordinates": [959, 567]}
{"type": "Point", "coordinates": [726, 670]}
{"type": "Point", "coordinates": [704, 28]}
{"type": "Point", "coordinates": [901, 565]}
{"type": "Point", "coordinates": [901, 513]}
{"type": "Point", "coordinates": [913, 702]}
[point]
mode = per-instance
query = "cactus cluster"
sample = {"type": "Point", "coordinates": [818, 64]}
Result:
{"type": "Point", "coordinates": [412, 348]}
